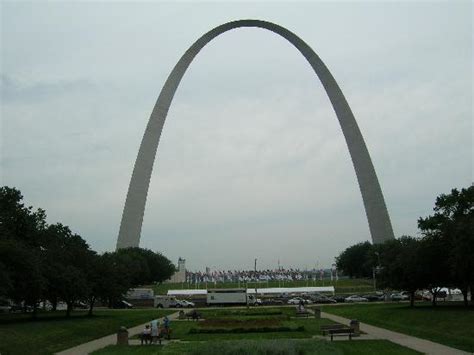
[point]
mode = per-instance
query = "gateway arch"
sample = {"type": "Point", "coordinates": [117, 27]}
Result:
{"type": "Point", "coordinates": [375, 208]}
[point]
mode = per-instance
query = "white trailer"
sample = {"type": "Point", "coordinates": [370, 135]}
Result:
{"type": "Point", "coordinates": [140, 294]}
{"type": "Point", "coordinates": [229, 296]}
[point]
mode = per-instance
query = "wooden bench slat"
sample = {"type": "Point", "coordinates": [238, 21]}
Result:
{"type": "Point", "coordinates": [333, 326]}
{"type": "Point", "coordinates": [341, 331]}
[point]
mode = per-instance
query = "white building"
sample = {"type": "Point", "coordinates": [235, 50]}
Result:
{"type": "Point", "coordinates": [180, 275]}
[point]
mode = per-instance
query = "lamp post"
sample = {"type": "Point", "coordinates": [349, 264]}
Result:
{"type": "Point", "coordinates": [373, 276]}
{"type": "Point", "coordinates": [376, 269]}
{"type": "Point", "coordinates": [255, 270]}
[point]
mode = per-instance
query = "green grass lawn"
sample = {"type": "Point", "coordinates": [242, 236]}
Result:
{"type": "Point", "coordinates": [52, 332]}
{"type": "Point", "coordinates": [182, 330]}
{"type": "Point", "coordinates": [451, 325]}
{"type": "Point", "coordinates": [273, 318]}
{"type": "Point", "coordinates": [264, 347]}
{"type": "Point", "coordinates": [343, 286]}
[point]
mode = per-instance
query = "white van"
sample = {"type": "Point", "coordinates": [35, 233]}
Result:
{"type": "Point", "coordinates": [165, 302]}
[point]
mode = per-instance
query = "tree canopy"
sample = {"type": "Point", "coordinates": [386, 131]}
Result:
{"type": "Point", "coordinates": [442, 257]}
{"type": "Point", "coordinates": [40, 262]}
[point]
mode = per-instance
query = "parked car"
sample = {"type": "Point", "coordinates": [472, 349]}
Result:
{"type": "Point", "coordinates": [20, 307]}
{"type": "Point", "coordinates": [258, 302]}
{"type": "Point", "coordinates": [355, 298]}
{"type": "Point", "coordinates": [298, 300]}
{"type": "Point", "coordinates": [184, 304]}
{"type": "Point", "coordinates": [373, 298]}
{"type": "Point", "coordinates": [339, 299]}
{"type": "Point", "coordinates": [322, 299]}
{"type": "Point", "coordinates": [80, 305]}
{"type": "Point", "coordinates": [5, 307]}
{"type": "Point", "coordinates": [273, 301]}
{"type": "Point", "coordinates": [122, 304]}
{"type": "Point", "coordinates": [398, 296]}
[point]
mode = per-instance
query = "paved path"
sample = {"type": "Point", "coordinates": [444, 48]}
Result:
{"type": "Point", "coordinates": [111, 339]}
{"type": "Point", "coordinates": [418, 344]}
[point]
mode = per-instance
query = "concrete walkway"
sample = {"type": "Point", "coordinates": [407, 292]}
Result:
{"type": "Point", "coordinates": [418, 344]}
{"type": "Point", "coordinates": [111, 339]}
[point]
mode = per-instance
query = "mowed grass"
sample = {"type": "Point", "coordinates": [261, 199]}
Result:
{"type": "Point", "coordinates": [341, 286]}
{"type": "Point", "coordinates": [52, 332]}
{"type": "Point", "coordinates": [273, 341]}
{"type": "Point", "coordinates": [264, 347]}
{"type": "Point", "coordinates": [451, 325]}
{"type": "Point", "coordinates": [241, 318]}
{"type": "Point", "coordinates": [183, 331]}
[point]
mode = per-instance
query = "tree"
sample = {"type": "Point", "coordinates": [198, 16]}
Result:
{"type": "Point", "coordinates": [449, 235]}
{"type": "Point", "coordinates": [118, 279]}
{"type": "Point", "coordinates": [5, 280]}
{"type": "Point", "coordinates": [68, 259]}
{"type": "Point", "coordinates": [106, 281]}
{"type": "Point", "coordinates": [145, 266]}
{"type": "Point", "coordinates": [20, 248]}
{"type": "Point", "coordinates": [50, 262]}
{"type": "Point", "coordinates": [357, 260]}
{"type": "Point", "coordinates": [23, 269]}
{"type": "Point", "coordinates": [401, 268]}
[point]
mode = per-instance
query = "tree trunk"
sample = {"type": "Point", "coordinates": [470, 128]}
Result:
{"type": "Point", "coordinates": [91, 306]}
{"type": "Point", "coordinates": [54, 304]}
{"type": "Point", "coordinates": [472, 294]}
{"type": "Point", "coordinates": [68, 309]}
{"type": "Point", "coordinates": [412, 298]}
{"type": "Point", "coordinates": [464, 291]}
{"type": "Point", "coordinates": [433, 301]}
{"type": "Point", "coordinates": [34, 310]}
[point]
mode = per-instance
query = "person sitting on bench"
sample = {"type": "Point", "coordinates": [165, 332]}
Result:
{"type": "Point", "coordinates": [146, 335]}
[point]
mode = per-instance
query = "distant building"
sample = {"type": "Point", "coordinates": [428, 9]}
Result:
{"type": "Point", "coordinates": [180, 275]}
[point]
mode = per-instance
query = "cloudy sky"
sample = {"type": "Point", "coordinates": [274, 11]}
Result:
{"type": "Point", "coordinates": [252, 162]}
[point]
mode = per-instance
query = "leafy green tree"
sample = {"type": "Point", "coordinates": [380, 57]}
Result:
{"type": "Point", "coordinates": [50, 262]}
{"type": "Point", "coordinates": [118, 279]}
{"type": "Point", "coordinates": [19, 222]}
{"type": "Point", "coordinates": [5, 280]}
{"type": "Point", "coordinates": [20, 248]}
{"type": "Point", "coordinates": [23, 267]}
{"type": "Point", "coordinates": [357, 260]}
{"type": "Point", "coordinates": [68, 260]}
{"type": "Point", "coordinates": [145, 266]}
{"type": "Point", "coordinates": [449, 235]}
{"type": "Point", "coordinates": [401, 268]}
{"type": "Point", "coordinates": [106, 280]}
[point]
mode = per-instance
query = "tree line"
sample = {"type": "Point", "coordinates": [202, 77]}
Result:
{"type": "Point", "coordinates": [41, 262]}
{"type": "Point", "coordinates": [442, 257]}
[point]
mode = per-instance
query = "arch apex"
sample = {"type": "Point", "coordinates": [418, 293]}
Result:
{"type": "Point", "coordinates": [132, 218]}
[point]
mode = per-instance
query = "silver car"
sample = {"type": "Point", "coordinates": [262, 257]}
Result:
{"type": "Point", "coordinates": [355, 298]}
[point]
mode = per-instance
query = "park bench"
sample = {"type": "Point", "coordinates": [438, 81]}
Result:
{"type": "Point", "coordinates": [302, 313]}
{"type": "Point", "coordinates": [341, 331]}
{"type": "Point", "coordinates": [194, 315]}
{"type": "Point", "coordinates": [326, 328]}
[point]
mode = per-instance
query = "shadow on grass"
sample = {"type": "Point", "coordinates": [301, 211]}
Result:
{"type": "Point", "coordinates": [440, 307]}
{"type": "Point", "coordinates": [16, 318]}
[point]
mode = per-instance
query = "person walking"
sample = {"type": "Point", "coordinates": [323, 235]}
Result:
{"type": "Point", "coordinates": [155, 327]}
{"type": "Point", "coordinates": [166, 324]}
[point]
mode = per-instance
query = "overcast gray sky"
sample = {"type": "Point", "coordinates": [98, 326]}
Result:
{"type": "Point", "coordinates": [252, 161]}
